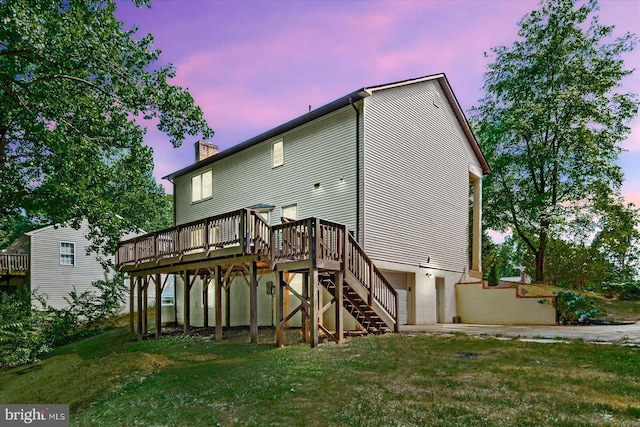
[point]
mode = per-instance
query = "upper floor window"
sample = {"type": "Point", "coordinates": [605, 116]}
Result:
{"type": "Point", "coordinates": [278, 153]}
{"type": "Point", "coordinates": [67, 253]}
{"type": "Point", "coordinates": [202, 186]}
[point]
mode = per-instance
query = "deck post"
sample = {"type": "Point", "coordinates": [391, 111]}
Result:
{"type": "Point", "coordinates": [187, 303]}
{"type": "Point", "coordinates": [305, 311]}
{"type": "Point", "coordinates": [219, 303]}
{"type": "Point", "coordinates": [139, 293]}
{"type": "Point", "coordinates": [132, 309]}
{"type": "Point", "coordinates": [253, 301]}
{"type": "Point", "coordinates": [158, 305]}
{"type": "Point", "coordinates": [338, 306]}
{"type": "Point", "coordinates": [279, 310]}
{"type": "Point", "coordinates": [287, 298]}
{"type": "Point", "coordinates": [206, 279]}
{"type": "Point", "coordinates": [227, 296]}
{"type": "Point", "coordinates": [145, 303]}
{"type": "Point", "coordinates": [313, 306]}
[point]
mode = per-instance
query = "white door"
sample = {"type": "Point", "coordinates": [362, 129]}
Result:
{"type": "Point", "coordinates": [399, 282]}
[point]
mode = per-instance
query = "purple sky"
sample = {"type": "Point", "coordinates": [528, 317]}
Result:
{"type": "Point", "coordinates": [252, 65]}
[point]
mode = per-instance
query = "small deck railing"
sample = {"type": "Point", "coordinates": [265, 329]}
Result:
{"type": "Point", "coordinates": [14, 264]}
{"type": "Point", "coordinates": [310, 239]}
{"type": "Point", "coordinates": [244, 229]}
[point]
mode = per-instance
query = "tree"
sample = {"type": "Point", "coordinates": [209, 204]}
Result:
{"type": "Point", "coordinates": [551, 122]}
{"type": "Point", "coordinates": [75, 88]}
{"type": "Point", "coordinates": [618, 237]}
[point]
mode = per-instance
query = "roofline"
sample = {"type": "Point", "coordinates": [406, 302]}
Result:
{"type": "Point", "coordinates": [292, 124]}
{"type": "Point", "coordinates": [336, 105]}
{"type": "Point", "coordinates": [464, 124]}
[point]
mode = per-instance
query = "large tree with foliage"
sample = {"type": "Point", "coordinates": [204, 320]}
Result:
{"type": "Point", "coordinates": [552, 120]}
{"type": "Point", "coordinates": [75, 87]}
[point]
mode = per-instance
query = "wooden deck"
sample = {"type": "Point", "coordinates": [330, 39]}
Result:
{"type": "Point", "coordinates": [241, 243]}
{"type": "Point", "coordinates": [14, 264]}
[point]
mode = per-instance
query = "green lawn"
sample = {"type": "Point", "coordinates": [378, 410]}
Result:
{"type": "Point", "coordinates": [367, 381]}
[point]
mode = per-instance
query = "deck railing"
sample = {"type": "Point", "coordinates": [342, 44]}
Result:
{"type": "Point", "coordinates": [308, 239]}
{"type": "Point", "coordinates": [14, 263]}
{"type": "Point", "coordinates": [245, 229]}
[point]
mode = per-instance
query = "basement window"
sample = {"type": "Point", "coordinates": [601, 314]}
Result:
{"type": "Point", "coordinates": [202, 186]}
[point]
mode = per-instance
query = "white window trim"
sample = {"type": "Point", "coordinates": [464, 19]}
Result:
{"type": "Point", "coordinates": [71, 255]}
{"type": "Point", "coordinates": [277, 153]}
{"type": "Point", "coordinates": [204, 183]}
{"type": "Point", "coordinates": [295, 205]}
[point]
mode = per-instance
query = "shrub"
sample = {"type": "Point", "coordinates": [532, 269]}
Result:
{"type": "Point", "coordinates": [493, 278]}
{"type": "Point", "coordinates": [622, 291]}
{"type": "Point", "coordinates": [572, 307]}
{"type": "Point", "coordinates": [27, 333]}
{"type": "Point", "coordinates": [21, 340]}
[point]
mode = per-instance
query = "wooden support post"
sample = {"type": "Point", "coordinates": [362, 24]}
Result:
{"type": "Point", "coordinates": [145, 304]}
{"type": "Point", "coordinates": [132, 309]}
{"type": "Point", "coordinates": [219, 303]}
{"type": "Point", "coordinates": [227, 294]}
{"type": "Point", "coordinates": [187, 303]}
{"type": "Point", "coordinates": [313, 306]}
{"type": "Point", "coordinates": [338, 306]}
{"type": "Point", "coordinates": [139, 294]}
{"type": "Point", "coordinates": [287, 298]}
{"type": "Point", "coordinates": [305, 312]}
{"type": "Point", "coordinates": [158, 305]}
{"type": "Point", "coordinates": [279, 310]}
{"type": "Point", "coordinates": [205, 298]}
{"type": "Point", "coordinates": [253, 301]}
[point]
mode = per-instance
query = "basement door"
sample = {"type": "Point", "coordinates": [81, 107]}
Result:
{"type": "Point", "coordinates": [440, 301]}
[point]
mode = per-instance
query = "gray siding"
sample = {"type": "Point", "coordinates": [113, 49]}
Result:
{"type": "Point", "coordinates": [416, 178]}
{"type": "Point", "coordinates": [318, 152]}
{"type": "Point", "coordinates": [49, 278]}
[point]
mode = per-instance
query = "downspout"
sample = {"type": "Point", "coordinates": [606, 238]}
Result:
{"type": "Point", "coordinates": [357, 169]}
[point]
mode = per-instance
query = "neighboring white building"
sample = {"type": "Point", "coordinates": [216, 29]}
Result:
{"type": "Point", "coordinates": [53, 261]}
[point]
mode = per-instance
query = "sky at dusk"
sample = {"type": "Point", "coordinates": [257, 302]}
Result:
{"type": "Point", "coordinates": [252, 65]}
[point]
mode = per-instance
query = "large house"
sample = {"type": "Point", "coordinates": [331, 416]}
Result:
{"type": "Point", "coordinates": [365, 201]}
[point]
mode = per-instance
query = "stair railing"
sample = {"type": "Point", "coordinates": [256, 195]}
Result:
{"type": "Point", "coordinates": [372, 279]}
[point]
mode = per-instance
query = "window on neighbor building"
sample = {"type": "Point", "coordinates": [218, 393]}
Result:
{"type": "Point", "coordinates": [278, 153]}
{"type": "Point", "coordinates": [202, 186]}
{"type": "Point", "coordinates": [67, 253]}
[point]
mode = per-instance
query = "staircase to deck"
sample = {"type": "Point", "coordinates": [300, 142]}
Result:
{"type": "Point", "coordinates": [366, 293]}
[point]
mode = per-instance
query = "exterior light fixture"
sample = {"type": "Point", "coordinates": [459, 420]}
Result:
{"type": "Point", "coordinates": [341, 178]}
{"type": "Point", "coordinates": [316, 185]}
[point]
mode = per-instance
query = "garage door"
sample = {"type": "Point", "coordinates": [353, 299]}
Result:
{"type": "Point", "coordinates": [399, 282]}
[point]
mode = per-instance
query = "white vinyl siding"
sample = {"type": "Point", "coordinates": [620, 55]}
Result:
{"type": "Point", "coordinates": [416, 178]}
{"type": "Point", "coordinates": [67, 253]}
{"type": "Point", "coordinates": [201, 186]}
{"type": "Point", "coordinates": [318, 152]}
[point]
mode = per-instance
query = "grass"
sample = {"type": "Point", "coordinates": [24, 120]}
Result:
{"type": "Point", "coordinates": [367, 381]}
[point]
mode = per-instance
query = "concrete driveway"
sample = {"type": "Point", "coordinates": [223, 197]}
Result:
{"type": "Point", "coordinates": [628, 334]}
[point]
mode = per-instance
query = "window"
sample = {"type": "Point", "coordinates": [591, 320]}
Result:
{"type": "Point", "coordinates": [290, 212]}
{"type": "Point", "coordinates": [202, 186]}
{"type": "Point", "coordinates": [278, 154]}
{"type": "Point", "coordinates": [67, 253]}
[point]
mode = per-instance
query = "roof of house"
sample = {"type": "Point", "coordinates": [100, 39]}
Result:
{"type": "Point", "coordinates": [338, 104]}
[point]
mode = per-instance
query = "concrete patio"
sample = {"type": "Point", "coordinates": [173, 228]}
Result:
{"type": "Point", "coordinates": [628, 334]}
